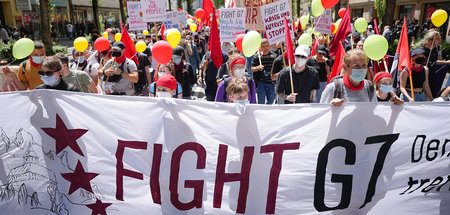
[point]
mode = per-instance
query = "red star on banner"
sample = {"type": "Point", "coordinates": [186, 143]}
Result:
{"type": "Point", "coordinates": [79, 179]}
{"type": "Point", "coordinates": [98, 207]}
{"type": "Point", "coordinates": [65, 137]}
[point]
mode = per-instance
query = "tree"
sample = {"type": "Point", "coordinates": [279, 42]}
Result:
{"type": "Point", "coordinates": [389, 15]}
{"type": "Point", "coordinates": [95, 9]}
{"type": "Point", "coordinates": [122, 12]}
{"type": "Point", "coordinates": [380, 6]}
{"type": "Point", "coordinates": [337, 7]}
{"type": "Point", "coordinates": [45, 23]}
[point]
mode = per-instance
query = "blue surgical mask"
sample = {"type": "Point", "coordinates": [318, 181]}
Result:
{"type": "Point", "coordinates": [242, 102]}
{"type": "Point", "coordinates": [37, 59]}
{"type": "Point", "coordinates": [81, 59]}
{"type": "Point", "coordinates": [385, 88]}
{"type": "Point", "coordinates": [49, 80]}
{"type": "Point", "coordinates": [177, 59]}
{"type": "Point", "coordinates": [358, 74]}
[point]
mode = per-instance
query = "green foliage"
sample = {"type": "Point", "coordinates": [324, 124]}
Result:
{"type": "Point", "coordinates": [392, 47]}
{"type": "Point", "coordinates": [445, 50]}
{"type": "Point", "coordinates": [380, 6]}
{"type": "Point", "coordinates": [6, 51]}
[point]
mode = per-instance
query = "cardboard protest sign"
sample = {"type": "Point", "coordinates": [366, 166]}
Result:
{"type": "Point", "coordinates": [135, 22]}
{"type": "Point", "coordinates": [153, 10]}
{"type": "Point", "coordinates": [273, 18]}
{"type": "Point", "coordinates": [182, 17]}
{"type": "Point", "coordinates": [232, 23]}
{"type": "Point", "coordinates": [253, 15]}
{"type": "Point", "coordinates": [172, 20]}
{"type": "Point", "coordinates": [322, 23]}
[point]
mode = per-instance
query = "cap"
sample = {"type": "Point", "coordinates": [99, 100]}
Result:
{"type": "Point", "coordinates": [119, 46]}
{"type": "Point", "coordinates": [369, 26]}
{"type": "Point", "coordinates": [168, 81]}
{"type": "Point", "coordinates": [381, 75]}
{"type": "Point", "coordinates": [239, 60]}
{"type": "Point", "coordinates": [178, 50]}
{"type": "Point", "coordinates": [322, 49]}
{"type": "Point", "coordinates": [418, 51]}
{"type": "Point", "coordinates": [302, 50]}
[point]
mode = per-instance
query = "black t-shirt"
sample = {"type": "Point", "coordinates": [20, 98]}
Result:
{"type": "Point", "coordinates": [386, 99]}
{"type": "Point", "coordinates": [304, 82]}
{"type": "Point", "coordinates": [266, 61]}
{"type": "Point", "coordinates": [223, 70]}
{"type": "Point", "coordinates": [186, 79]}
{"type": "Point", "coordinates": [278, 64]}
{"type": "Point", "coordinates": [320, 68]}
{"type": "Point", "coordinates": [61, 86]}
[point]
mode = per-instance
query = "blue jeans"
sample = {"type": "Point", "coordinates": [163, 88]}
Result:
{"type": "Point", "coordinates": [418, 97]}
{"type": "Point", "coordinates": [320, 90]}
{"type": "Point", "coordinates": [266, 90]}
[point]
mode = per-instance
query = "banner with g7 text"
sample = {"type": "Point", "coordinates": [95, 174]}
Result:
{"type": "Point", "coordinates": [273, 18]}
{"type": "Point", "coordinates": [74, 153]}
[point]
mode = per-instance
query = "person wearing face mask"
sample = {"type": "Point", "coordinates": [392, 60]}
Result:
{"type": "Point", "coordinates": [78, 78]}
{"type": "Point", "coordinates": [28, 77]}
{"type": "Point", "coordinates": [163, 69]}
{"type": "Point", "coordinates": [166, 86]}
{"type": "Point", "coordinates": [351, 87]}
{"type": "Point", "coordinates": [51, 74]}
{"type": "Point", "coordinates": [419, 78]}
{"type": "Point", "coordinates": [383, 82]}
{"type": "Point", "coordinates": [80, 63]}
{"type": "Point", "coordinates": [237, 92]}
{"type": "Point", "coordinates": [322, 65]}
{"type": "Point", "coordinates": [304, 78]}
{"type": "Point", "coordinates": [184, 73]}
{"type": "Point", "coordinates": [237, 71]}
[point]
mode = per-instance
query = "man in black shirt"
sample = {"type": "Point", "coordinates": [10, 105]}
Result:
{"type": "Point", "coordinates": [323, 67]}
{"type": "Point", "coordinates": [184, 73]}
{"type": "Point", "coordinates": [262, 72]}
{"type": "Point", "coordinates": [305, 80]}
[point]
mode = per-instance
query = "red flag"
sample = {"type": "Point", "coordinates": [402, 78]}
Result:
{"type": "Point", "coordinates": [208, 7]}
{"type": "Point", "coordinates": [403, 49]}
{"type": "Point", "coordinates": [130, 50]}
{"type": "Point", "coordinates": [339, 62]}
{"type": "Point", "coordinates": [214, 43]}
{"type": "Point", "coordinates": [344, 29]}
{"type": "Point", "coordinates": [299, 28]}
{"type": "Point", "coordinates": [287, 37]}
{"type": "Point", "coordinates": [315, 44]}
{"type": "Point", "coordinates": [179, 9]}
{"type": "Point", "coordinates": [162, 31]}
{"type": "Point", "coordinates": [376, 26]}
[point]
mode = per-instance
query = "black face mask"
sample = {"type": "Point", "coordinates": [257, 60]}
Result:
{"type": "Point", "coordinates": [154, 40]}
{"type": "Point", "coordinates": [116, 54]}
{"type": "Point", "coordinates": [420, 60]}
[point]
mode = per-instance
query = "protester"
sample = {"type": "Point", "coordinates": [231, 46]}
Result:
{"type": "Point", "coordinates": [383, 82]}
{"type": "Point", "coordinates": [194, 57]}
{"type": "Point", "coordinates": [80, 63]}
{"type": "Point", "coordinates": [144, 79]}
{"type": "Point", "coordinates": [262, 71]}
{"type": "Point", "coordinates": [387, 33]}
{"type": "Point", "coordinates": [370, 31]}
{"type": "Point", "coordinates": [223, 72]}
{"type": "Point", "coordinates": [444, 96]}
{"type": "Point", "coordinates": [209, 73]}
{"type": "Point", "coordinates": [419, 78]}
{"type": "Point", "coordinates": [237, 71]}
{"type": "Point", "coordinates": [323, 66]}
{"type": "Point", "coordinates": [70, 30]}
{"type": "Point", "coordinates": [4, 36]}
{"type": "Point", "coordinates": [305, 80]}
{"type": "Point", "coordinates": [184, 73]}
{"type": "Point", "coordinates": [51, 74]}
{"type": "Point", "coordinates": [77, 78]}
{"type": "Point", "coordinates": [166, 86]}
{"type": "Point", "coordinates": [351, 87]}
{"type": "Point", "coordinates": [105, 56]}
{"type": "Point", "coordinates": [161, 70]}
{"type": "Point", "coordinates": [237, 92]}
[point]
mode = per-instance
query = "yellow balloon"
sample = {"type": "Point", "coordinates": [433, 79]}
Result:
{"type": "Point", "coordinates": [173, 37]}
{"type": "Point", "coordinates": [140, 46]}
{"type": "Point", "coordinates": [145, 32]}
{"type": "Point", "coordinates": [80, 44]}
{"type": "Point", "coordinates": [439, 17]}
{"type": "Point", "coordinates": [105, 35]}
{"type": "Point", "coordinates": [118, 36]}
{"type": "Point", "coordinates": [193, 27]}
{"type": "Point", "coordinates": [198, 20]}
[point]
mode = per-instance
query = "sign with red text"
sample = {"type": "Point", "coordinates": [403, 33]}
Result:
{"type": "Point", "coordinates": [253, 15]}
{"type": "Point", "coordinates": [63, 155]}
{"type": "Point", "coordinates": [322, 23]}
{"type": "Point", "coordinates": [273, 19]}
{"type": "Point", "coordinates": [232, 23]}
{"type": "Point", "coordinates": [153, 10]}
{"type": "Point", "coordinates": [135, 14]}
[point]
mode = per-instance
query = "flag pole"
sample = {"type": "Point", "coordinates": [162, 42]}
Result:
{"type": "Point", "coordinates": [292, 82]}
{"type": "Point", "coordinates": [411, 84]}
{"type": "Point", "coordinates": [156, 31]}
{"type": "Point", "coordinates": [282, 54]}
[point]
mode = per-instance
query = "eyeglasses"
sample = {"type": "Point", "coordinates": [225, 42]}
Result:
{"type": "Point", "coordinates": [46, 73]}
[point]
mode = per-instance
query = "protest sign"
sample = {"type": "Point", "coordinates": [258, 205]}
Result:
{"type": "Point", "coordinates": [61, 153]}
{"type": "Point", "coordinates": [232, 23]}
{"type": "Point", "coordinates": [273, 18]}
{"type": "Point", "coordinates": [182, 17]}
{"type": "Point", "coordinates": [322, 23]}
{"type": "Point", "coordinates": [135, 22]}
{"type": "Point", "coordinates": [253, 15]}
{"type": "Point", "coordinates": [153, 10]}
{"type": "Point", "coordinates": [172, 20]}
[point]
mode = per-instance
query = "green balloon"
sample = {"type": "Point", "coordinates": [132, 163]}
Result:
{"type": "Point", "coordinates": [251, 43]}
{"type": "Point", "coordinates": [303, 20]}
{"type": "Point", "coordinates": [310, 30]}
{"type": "Point", "coordinates": [317, 8]}
{"type": "Point", "coordinates": [305, 39]}
{"type": "Point", "coordinates": [22, 48]}
{"type": "Point", "coordinates": [190, 21]}
{"type": "Point", "coordinates": [361, 25]}
{"type": "Point", "coordinates": [376, 47]}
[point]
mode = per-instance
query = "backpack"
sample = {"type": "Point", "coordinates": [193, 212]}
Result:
{"type": "Point", "coordinates": [24, 64]}
{"type": "Point", "coordinates": [339, 87]}
{"type": "Point", "coordinates": [227, 80]}
{"type": "Point", "coordinates": [116, 78]}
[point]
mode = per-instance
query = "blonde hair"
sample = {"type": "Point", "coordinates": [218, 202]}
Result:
{"type": "Point", "coordinates": [431, 34]}
{"type": "Point", "coordinates": [349, 54]}
{"type": "Point", "coordinates": [237, 86]}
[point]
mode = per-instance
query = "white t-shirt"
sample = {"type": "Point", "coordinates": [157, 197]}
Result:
{"type": "Point", "coordinates": [69, 27]}
{"type": "Point", "coordinates": [90, 69]}
{"type": "Point", "coordinates": [123, 86]}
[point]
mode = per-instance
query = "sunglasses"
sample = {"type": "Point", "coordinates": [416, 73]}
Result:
{"type": "Point", "coordinates": [300, 56]}
{"type": "Point", "coordinates": [46, 73]}
{"type": "Point", "coordinates": [104, 52]}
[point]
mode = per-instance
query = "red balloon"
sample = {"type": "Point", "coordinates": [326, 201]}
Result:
{"type": "Point", "coordinates": [199, 13]}
{"type": "Point", "coordinates": [162, 51]}
{"type": "Point", "coordinates": [327, 4]}
{"type": "Point", "coordinates": [101, 44]}
{"type": "Point", "coordinates": [341, 12]}
{"type": "Point", "coordinates": [239, 40]}
{"type": "Point", "coordinates": [332, 28]}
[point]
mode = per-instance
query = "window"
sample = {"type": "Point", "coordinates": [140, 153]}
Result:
{"type": "Point", "coordinates": [357, 12]}
{"type": "Point", "coordinates": [406, 11]}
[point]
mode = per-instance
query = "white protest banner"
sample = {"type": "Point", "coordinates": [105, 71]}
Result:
{"type": "Point", "coordinates": [61, 154]}
{"type": "Point", "coordinates": [253, 15]}
{"type": "Point", "coordinates": [172, 20]}
{"type": "Point", "coordinates": [182, 17]}
{"type": "Point", "coordinates": [273, 19]}
{"type": "Point", "coordinates": [322, 23]}
{"type": "Point", "coordinates": [232, 23]}
{"type": "Point", "coordinates": [153, 10]}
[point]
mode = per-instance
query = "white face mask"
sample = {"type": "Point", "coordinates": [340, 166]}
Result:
{"type": "Point", "coordinates": [37, 59]}
{"type": "Point", "coordinates": [358, 74]}
{"type": "Point", "coordinates": [300, 61]}
{"type": "Point", "coordinates": [242, 102]}
{"type": "Point", "coordinates": [176, 59]}
{"type": "Point", "coordinates": [162, 94]}
{"type": "Point", "coordinates": [49, 80]}
{"type": "Point", "coordinates": [81, 59]}
{"type": "Point", "coordinates": [239, 73]}
{"type": "Point", "coordinates": [160, 74]}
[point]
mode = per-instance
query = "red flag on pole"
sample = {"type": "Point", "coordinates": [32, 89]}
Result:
{"type": "Point", "coordinates": [162, 31]}
{"type": "Point", "coordinates": [130, 50]}
{"type": "Point", "coordinates": [344, 29]}
{"type": "Point", "coordinates": [315, 44]}
{"type": "Point", "coordinates": [403, 49]}
{"type": "Point", "coordinates": [299, 28]}
{"type": "Point", "coordinates": [214, 43]}
{"type": "Point", "coordinates": [339, 62]}
{"type": "Point", "coordinates": [289, 46]}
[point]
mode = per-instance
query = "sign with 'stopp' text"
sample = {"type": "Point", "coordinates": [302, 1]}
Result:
{"type": "Point", "coordinates": [63, 155]}
{"type": "Point", "coordinates": [273, 19]}
{"type": "Point", "coordinates": [153, 10]}
{"type": "Point", "coordinates": [253, 16]}
{"type": "Point", "coordinates": [232, 23]}
{"type": "Point", "coordinates": [322, 23]}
